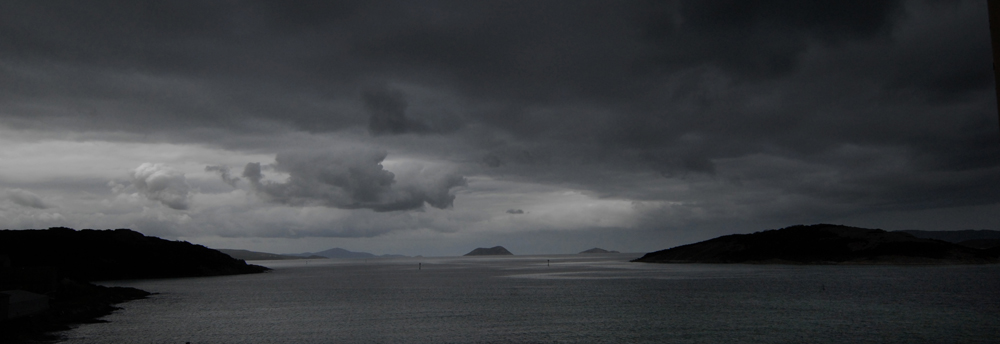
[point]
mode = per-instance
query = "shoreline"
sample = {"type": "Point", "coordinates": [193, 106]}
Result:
{"type": "Point", "coordinates": [74, 303]}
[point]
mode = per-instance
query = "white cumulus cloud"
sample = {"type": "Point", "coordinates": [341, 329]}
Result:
{"type": "Point", "coordinates": [161, 183]}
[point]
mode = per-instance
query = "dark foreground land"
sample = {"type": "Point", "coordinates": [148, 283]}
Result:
{"type": "Point", "coordinates": [70, 303]}
{"type": "Point", "coordinates": [824, 244]}
{"type": "Point", "coordinates": [60, 263]}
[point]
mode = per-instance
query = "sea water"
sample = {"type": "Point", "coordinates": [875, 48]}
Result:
{"type": "Point", "coordinates": [561, 299]}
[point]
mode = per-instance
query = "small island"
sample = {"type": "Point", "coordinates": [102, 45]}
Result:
{"type": "Point", "coordinates": [492, 251]}
{"type": "Point", "coordinates": [45, 275]}
{"type": "Point", "coordinates": [597, 250]}
{"type": "Point", "coordinates": [823, 244]}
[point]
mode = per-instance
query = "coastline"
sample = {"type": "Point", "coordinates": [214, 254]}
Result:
{"type": "Point", "coordinates": [74, 303]}
{"type": "Point", "coordinates": [55, 268]}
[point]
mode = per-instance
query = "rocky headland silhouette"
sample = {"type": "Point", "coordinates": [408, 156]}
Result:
{"type": "Point", "coordinates": [492, 251]}
{"type": "Point", "coordinates": [823, 244]}
{"type": "Point", "coordinates": [60, 263]}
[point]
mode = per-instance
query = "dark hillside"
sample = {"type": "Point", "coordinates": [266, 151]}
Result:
{"type": "Point", "coordinates": [822, 244]}
{"type": "Point", "coordinates": [981, 243]}
{"type": "Point", "coordinates": [93, 255]}
{"type": "Point", "coordinates": [58, 262]}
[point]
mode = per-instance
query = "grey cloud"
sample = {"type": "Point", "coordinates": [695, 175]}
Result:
{"type": "Point", "coordinates": [510, 58]}
{"type": "Point", "coordinates": [387, 112]}
{"type": "Point", "coordinates": [672, 164]}
{"type": "Point", "coordinates": [223, 172]}
{"type": "Point", "coordinates": [760, 38]}
{"type": "Point", "coordinates": [607, 97]}
{"type": "Point", "coordinates": [500, 157]}
{"type": "Point", "coordinates": [253, 60]}
{"type": "Point", "coordinates": [515, 211]}
{"type": "Point", "coordinates": [160, 183]}
{"type": "Point", "coordinates": [27, 198]}
{"type": "Point", "coordinates": [492, 160]}
{"type": "Point", "coordinates": [252, 173]}
{"type": "Point", "coordinates": [350, 179]}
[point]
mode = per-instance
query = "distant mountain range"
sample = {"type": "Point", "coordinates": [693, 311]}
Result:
{"type": "Point", "coordinates": [825, 244]}
{"type": "Point", "coordinates": [252, 255]}
{"type": "Point", "coordinates": [977, 238]}
{"type": "Point", "coordinates": [339, 253]}
{"type": "Point", "coordinates": [492, 251]}
{"type": "Point", "coordinates": [333, 253]}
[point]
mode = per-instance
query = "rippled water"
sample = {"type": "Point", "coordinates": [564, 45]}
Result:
{"type": "Point", "coordinates": [578, 299]}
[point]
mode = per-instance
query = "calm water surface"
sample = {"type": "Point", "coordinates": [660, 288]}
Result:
{"type": "Point", "coordinates": [576, 299]}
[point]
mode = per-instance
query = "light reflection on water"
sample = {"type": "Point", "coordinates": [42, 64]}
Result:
{"type": "Point", "coordinates": [561, 299]}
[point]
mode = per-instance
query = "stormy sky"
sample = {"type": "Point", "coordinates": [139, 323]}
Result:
{"type": "Point", "coordinates": [434, 127]}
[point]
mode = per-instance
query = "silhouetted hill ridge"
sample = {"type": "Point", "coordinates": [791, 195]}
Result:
{"type": "Point", "coordinates": [58, 262]}
{"type": "Point", "coordinates": [93, 255]}
{"type": "Point", "coordinates": [822, 244]}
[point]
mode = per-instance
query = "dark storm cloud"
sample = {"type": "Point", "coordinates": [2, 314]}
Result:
{"type": "Point", "coordinates": [526, 52]}
{"type": "Point", "coordinates": [515, 53]}
{"type": "Point", "coordinates": [350, 179]}
{"type": "Point", "coordinates": [492, 160]}
{"type": "Point", "coordinates": [759, 38]}
{"type": "Point", "coordinates": [891, 99]}
{"type": "Point", "coordinates": [387, 112]}
{"type": "Point", "coordinates": [500, 157]}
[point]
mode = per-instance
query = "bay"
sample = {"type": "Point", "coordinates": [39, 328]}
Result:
{"type": "Point", "coordinates": [560, 299]}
